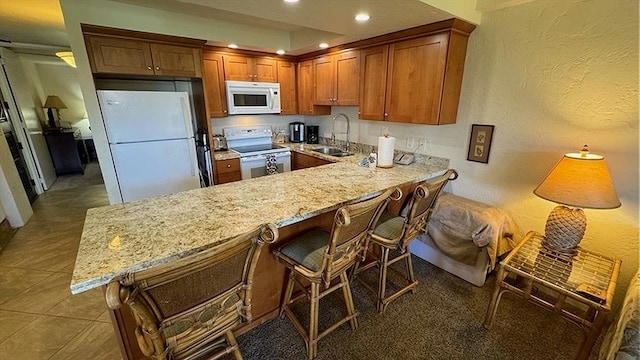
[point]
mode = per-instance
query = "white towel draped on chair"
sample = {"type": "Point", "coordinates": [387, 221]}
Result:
{"type": "Point", "coordinates": [271, 165]}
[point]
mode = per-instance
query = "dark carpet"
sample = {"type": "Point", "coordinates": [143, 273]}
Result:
{"type": "Point", "coordinates": [442, 320]}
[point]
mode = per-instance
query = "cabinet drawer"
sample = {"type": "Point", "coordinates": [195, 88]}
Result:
{"type": "Point", "coordinates": [227, 166]}
{"type": "Point", "coordinates": [228, 177]}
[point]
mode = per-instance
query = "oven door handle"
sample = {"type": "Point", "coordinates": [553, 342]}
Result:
{"type": "Point", "coordinates": [245, 159]}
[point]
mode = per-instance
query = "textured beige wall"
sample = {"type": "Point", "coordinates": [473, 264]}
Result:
{"type": "Point", "coordinates": [62, 80]}
{"type": "Point", "coordinates": [551, 76]}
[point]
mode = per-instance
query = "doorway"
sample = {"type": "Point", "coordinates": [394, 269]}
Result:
{"type": "Point", "coordinates": [15, 147]}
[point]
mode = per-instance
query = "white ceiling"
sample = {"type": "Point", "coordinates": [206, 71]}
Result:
{"type": "Point", "coordinates": [308, 22]}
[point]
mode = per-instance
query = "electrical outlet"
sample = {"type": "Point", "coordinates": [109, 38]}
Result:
{"type": "Point", "coordinates": [423, 144]}
{"type": "Point", "coordinates": [411, 142]}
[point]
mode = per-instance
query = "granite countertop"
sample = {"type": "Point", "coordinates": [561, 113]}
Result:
{"type": "Point", "coordinates": [122, 238]}
{"type": "Point", "coordinates": [359, 150]}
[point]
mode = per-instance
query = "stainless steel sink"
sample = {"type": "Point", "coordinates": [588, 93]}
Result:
{"type": "Point", "coordinates": [331, 151]}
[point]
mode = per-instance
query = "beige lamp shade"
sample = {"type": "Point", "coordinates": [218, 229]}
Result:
{"type": "Point", "coordinates": [54, 102]}
{"type": "Point", "coordinates": [580, 180]}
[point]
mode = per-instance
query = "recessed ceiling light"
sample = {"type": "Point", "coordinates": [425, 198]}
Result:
{"type": "Point", "coordinates": [290, 1]}
{"type": "Point", "coordinates": [362, 17]}
{"type": "Point", "coordinates": [233, 46]}
{"type": "Point", "coordinates": [280, 52]}
{"type": "Point", "coordinates": [323, 45]}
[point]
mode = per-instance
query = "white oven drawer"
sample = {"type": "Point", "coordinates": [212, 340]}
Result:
{"type": "Point", "coordinates": [255, 166]}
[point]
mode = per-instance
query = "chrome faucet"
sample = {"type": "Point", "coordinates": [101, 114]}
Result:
{"type": "Point", "coordinates": [333, 131]}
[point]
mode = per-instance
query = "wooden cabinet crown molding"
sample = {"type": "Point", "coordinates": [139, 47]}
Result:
{"type": "Point", "coordinates": [454, 25]}
{"type": "Point", "coordinates": [88, 29]}
{"type": "Point", "coordinates": [252, 53]}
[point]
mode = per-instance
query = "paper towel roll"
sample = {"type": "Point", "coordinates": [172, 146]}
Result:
{"type": "Point", "coordinates": [385, 151]}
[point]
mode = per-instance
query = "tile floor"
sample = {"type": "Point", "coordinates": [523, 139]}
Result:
{"type": "Point", "coordinates": [39, 318]}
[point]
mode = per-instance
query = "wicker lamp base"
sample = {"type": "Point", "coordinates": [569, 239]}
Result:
{"type": "Point", "coordinates": [564, 229]}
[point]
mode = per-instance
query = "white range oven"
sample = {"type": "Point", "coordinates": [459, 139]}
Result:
{"type": "Point", "coordinates": [257, 153]}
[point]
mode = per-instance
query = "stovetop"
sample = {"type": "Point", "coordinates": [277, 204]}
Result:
{"type": "Point", "coordinates": [260, 148]}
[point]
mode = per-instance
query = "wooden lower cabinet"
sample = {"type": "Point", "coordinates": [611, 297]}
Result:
{"type": "Point", "coordinates": [227, 171]}
{"type": "Point", "coordinates": [302, 161]}
{"type": "Point", "coordinates": [268, 283]}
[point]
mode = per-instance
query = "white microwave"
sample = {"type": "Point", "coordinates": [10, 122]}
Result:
{"type": "Point", "coordinates": [244, 97]}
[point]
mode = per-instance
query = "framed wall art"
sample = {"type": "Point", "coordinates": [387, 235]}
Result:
{"type": "Point", "coordinates": [480, 143]}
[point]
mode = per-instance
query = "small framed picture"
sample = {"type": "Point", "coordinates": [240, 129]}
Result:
{"type": "Point", "coordinates": [480, 143]}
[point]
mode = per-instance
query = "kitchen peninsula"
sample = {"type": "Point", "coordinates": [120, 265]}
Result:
{"type": "Point", "coordinates": [123, 238]}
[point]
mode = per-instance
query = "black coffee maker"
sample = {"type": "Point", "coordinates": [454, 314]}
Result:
{"type": "Point", "coordinates": [296, 132]}
{"type": "Point", "coordinates": [313, 136]}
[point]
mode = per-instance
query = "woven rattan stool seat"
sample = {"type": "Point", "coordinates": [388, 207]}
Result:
{"type": "Point", "coordinates": [318, 262]}
{"type": "Point", "coordinates": [393, 234]}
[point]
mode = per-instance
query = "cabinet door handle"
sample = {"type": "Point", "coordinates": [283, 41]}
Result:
{"type": "Point", "coordinates": [149, 68]}
{"type": "Point", "coordinates": [385, 114]}
{"type": "Point", "coordinates": [157, 67]}
{"type": "Point", "coordinates": [228, 166]}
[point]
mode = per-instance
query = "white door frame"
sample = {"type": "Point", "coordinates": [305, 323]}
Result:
{"type": "Point", "coordinates": [22, 134]}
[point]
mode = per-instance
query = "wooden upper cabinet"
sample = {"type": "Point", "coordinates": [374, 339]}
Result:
{"type": "Point", "coordinates": [373, 82]}
{"type": "Point", "coordinates": [265, 70]}
{"type": "Point", "coordinates": [324, 80]}
{"type": "Point", "coordinates": [120, 56]}
{"type": "Point", "coordinates": [113, 55]}
{"type": "Point", "coordinates": [176, 60]}
{"type": "Point", "coordinates": [245, 68]}
{"type": "Point", "coordinates": [414, 81]}
{"type": "Point", "coordinates": [336, 78]}
{"type": "Point", "coordinates": [306, 91]}
{"type": "Point", "coordinates": [214, 87]}
{"type": "Point", "coordinates": [305, 87]}
{"type": "Point", "coordinates": [347, 83]}
{"type": "Point", "coordinates": [287, 78]}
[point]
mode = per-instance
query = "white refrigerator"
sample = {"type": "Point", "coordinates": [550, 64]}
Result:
{"type": "Point", "coordinates": [150, 134]}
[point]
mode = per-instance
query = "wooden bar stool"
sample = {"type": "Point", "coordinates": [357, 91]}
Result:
{"type": "Point", "coordinates": [394, 233]}
{"type": "Point", "coordinates": [320, 257]}
{"type": "Point", "coordinates": [187, 309]}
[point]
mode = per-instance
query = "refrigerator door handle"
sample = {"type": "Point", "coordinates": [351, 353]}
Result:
{"type": "Point", "coordinates": [187, 115]}
{"type": "Point", "coordinates": [192, 156]}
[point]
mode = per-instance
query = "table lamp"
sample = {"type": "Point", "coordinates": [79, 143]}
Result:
{"type": "Point", "coordinates": [581, 180]}
{"type": "Point", "coordinates": [53, 102]}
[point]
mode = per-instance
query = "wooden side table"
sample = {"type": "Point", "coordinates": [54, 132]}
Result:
{"type": "Point", "coordinates": [64, 152]}
{"type": "Point", "coordinates": [588, 278]}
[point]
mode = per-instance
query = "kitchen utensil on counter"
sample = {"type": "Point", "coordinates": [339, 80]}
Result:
{"type": "Point", "coordinates": [296, 132]}
{"type": "Point", "coordinates": [313, 136]}
{"type": "Point", "coordinates": [219, 143]}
